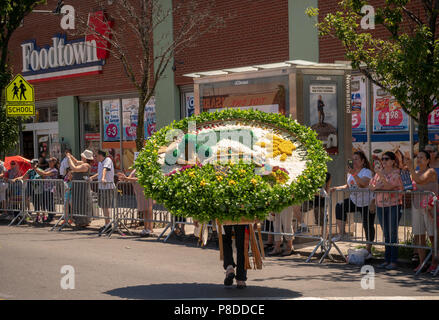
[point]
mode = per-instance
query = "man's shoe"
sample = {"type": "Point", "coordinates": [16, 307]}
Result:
{"type": "Point", "coordinates": [240, 284]}
{"type": "Point", "coordinates": [230, 275]}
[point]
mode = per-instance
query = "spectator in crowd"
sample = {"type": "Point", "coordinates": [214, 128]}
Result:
{"type": "Point", "coordinates": [359, 176]}
{"type": "Point", "coordinates": [106, 187]}
{"type": "Point", "coordinates": [144, 205]}
{"type": "Point", "coordinates": [64, 163]}
{"type": "Point", "coordinates": [34, 189]}
{"type": "Point", "coordinates": [426, 180]}
{"type": "Point", "coordinates": [229, 264]}
{"type": "Point", "coordinates": [388, 178]}
{"type": "Point", "coordinates": [68, 196]}
{"type": "Point", "coordinates": [12, 173]}
{"type": "Point", "coordinates": [283, 223]}
{"type": "Point", "coordinates": [49, 188]}
{"type": "Point", "coordinates": [81, 202]}
{"type": "Point", "coordinates": [13, 190]}
{"type": "Point", "coordinates": [3, 186]}
{"type": "Point", "coordinates": [43, 164]}
{"type": "Point", "coordinates": [434, 158]}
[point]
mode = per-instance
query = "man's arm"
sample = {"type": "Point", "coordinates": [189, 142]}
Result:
{"type": "Point", "coordinates": [104, 174]}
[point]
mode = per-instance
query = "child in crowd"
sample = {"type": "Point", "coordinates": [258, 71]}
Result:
{"type": "Point", "coordinates": [68, 195]}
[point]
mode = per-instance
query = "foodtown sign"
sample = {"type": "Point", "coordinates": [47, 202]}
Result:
{"type": "Point", "coordinates": [64, 58]}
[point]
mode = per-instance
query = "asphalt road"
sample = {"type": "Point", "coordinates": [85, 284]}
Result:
{"type": "Point", "coordinates": [143, 268]}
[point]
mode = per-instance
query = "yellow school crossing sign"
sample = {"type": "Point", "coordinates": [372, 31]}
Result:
{"type": "Point", "coordinates": [20, 97]}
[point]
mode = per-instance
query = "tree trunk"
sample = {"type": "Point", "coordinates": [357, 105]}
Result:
{"type": "Point", "coordinates": [423, 128]}
{"type": "Point", "coordinates": [140, 131]}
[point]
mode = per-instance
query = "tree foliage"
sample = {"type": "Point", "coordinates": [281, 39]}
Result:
{"type": "Point", "coordinates": [141, 19]}
{"type": "Point", "coordinates": [12, 14]}
{"type": "Point", "coordinates": [405, 63]}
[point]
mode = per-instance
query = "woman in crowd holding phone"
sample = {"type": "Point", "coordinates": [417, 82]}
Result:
{"type": "Point", "coordinates": [359, 175]}
{"type": "Point", "coordinates": [388, 204]}
{"type": "Point", "coordinates": [422, 222]}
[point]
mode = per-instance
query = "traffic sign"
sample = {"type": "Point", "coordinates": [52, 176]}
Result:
{"type": "Point", "coordinates": [20, 97]}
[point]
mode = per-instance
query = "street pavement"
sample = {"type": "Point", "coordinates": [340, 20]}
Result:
{"type": "Point", "coordinates": [125, 267]}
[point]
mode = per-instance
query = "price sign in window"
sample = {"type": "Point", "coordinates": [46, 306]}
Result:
{"type": "Point", "coordinates": [387, 113]}
{"type": "Point", "coordinates": [433, 118]}
{"type": "Point", "coordinates": [358, 104]}
{"type": "Point", "coordinates": [111, 119]}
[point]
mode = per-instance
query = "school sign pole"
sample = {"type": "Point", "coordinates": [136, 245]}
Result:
{"type": "Point", "coordinates": [20, 101]}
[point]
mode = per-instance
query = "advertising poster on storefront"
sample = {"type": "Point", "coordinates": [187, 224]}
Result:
{"type": "Point", "coordinates": [388, 115]}
{"type": "Point", "coordinates": [323, 114]}
{"type": "Point", "coordinates": [111, 118]}
{"type": "Point", "coordinates": [149, 119]}
{"type": "Point", "coordinates": [189, 104]}
{"type": "Point", "coordinates": [433, 118]}
{"type": "Point", "coordinates": [358, 103]}
{"type": "Point", "coordinates": [130, 110]}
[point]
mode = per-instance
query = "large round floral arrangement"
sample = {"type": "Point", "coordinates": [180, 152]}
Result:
{"type": "Point", "coordinates": [232, 164]}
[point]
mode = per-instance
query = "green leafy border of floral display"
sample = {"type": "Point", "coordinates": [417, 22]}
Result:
{"type": "Point", "coordinates": [199, 193]}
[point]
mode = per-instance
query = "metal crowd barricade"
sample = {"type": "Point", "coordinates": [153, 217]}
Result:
{"type": "Point", "coordinates": [43, 196]}
{"type": "Point", "coordinates": [14, 201]}
{"type": "Point", "coordinates": [127, 208]}
{"type": "Point", "coordinates": [353, 212]}
{"type": "Point", "coordinates": [309, 221]}
{"type": "Point", "coordinates": [86, 200]}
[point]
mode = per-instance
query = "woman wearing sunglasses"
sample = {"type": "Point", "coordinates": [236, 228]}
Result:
{"type": "Point", "coordinates": [388, 178]}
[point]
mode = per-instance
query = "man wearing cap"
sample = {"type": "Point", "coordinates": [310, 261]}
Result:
{"type": "Point", "coordinates": [105, 177]}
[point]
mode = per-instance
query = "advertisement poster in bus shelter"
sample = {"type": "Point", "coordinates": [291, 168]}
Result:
{"type": "Point", "coordinates": [111, 118]}
{"type": "Point", "coordinates": [358, 104]}
{"type": "Point", "coordinates": [323, 114]}
{"type": "Point", "coordinates": [388, 115]}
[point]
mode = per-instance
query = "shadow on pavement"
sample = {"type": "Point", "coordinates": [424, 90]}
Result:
{"type": "Point", "coordinates": [199, 291]}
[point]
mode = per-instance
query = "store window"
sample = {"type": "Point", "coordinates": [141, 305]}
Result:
{"type": "Point", "coordinates": [42, 115]}
{"type": "Point", "coordinates": [53, 114]}
{"type": "Point", "coordinates": [91, 134]}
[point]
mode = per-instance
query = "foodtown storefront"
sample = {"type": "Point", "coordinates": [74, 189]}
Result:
{"type": "Point", "coordinates": [83, 98]}
{"type": "Point", "coordinates": [317, 95]}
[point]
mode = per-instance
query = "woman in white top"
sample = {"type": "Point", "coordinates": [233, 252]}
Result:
{"type": "Point", "coordinates": [358, 177]}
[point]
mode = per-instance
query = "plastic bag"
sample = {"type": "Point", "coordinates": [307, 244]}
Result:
{"type": "Point", "coordinates": [357, 256]}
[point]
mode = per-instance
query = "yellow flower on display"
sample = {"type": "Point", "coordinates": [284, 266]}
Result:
{"type": "Point", "coordinates": [191, 174]}
{"type": "Point", "coordinates": [254, 181]}
{"type": "Point", "coordinates": [279, 146]}
{"type": "Point", "coordinates": [242, 171]}
{"type": "Point", "coordinates": [232, 182]}
{"type": "Point", "coordinates": [220, 178]}
{"type": "Point", "coordinates": [202, 183]}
